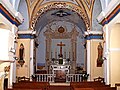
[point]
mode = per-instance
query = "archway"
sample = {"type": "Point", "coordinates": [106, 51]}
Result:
{"type": "Point", "coordinates": [59, 5]}
{"type": "Point", "coordinates": [61, 13]}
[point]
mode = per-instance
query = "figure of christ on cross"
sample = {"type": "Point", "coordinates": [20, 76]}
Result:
{"type": "Point", "coordinates": [60, 44]}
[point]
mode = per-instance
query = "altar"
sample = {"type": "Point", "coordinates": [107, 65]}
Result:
{"type": "Point", "coordinates": [60, 69]}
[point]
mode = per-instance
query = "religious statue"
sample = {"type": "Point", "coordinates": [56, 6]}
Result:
{"type": "Point", "coordinates": [21, 55]}
{"type": "Point", "coordinates": [21, 52]}
{"type": "Point", "coordinates": [100, 55]}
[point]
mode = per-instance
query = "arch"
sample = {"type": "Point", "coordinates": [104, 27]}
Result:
{"type": "Point", "coordinates": [59, 5]}
{"type": "Point", "coordinates": [23, 9]}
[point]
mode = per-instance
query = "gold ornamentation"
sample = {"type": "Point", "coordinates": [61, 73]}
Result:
{"type": "Point", "coordinates": [61, 29]}
{"type": "Point", "coordinates": [59, 5]}
{"type": "Point", "coordinates": [7, 68]}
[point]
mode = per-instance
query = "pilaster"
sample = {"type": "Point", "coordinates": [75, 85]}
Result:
{"type": "Point", "coordinates": [88, 59]}
{"type": "Point", "coordinates": [106, 54]}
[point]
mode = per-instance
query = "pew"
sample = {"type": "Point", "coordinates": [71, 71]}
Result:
{"type": "Point", "coordinates": [89, 84]}
{"type": "Point", "coordinates": [31, 85]}
{"type": "Point", "coordinates": [84, 89]}
{"type": "Point", "coordinates": [97, 88]}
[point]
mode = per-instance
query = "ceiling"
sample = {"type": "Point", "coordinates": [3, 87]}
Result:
{"type": "Point", "coordinates": [60, 15]}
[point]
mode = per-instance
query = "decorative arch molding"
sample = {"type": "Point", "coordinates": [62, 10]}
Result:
{"type": "Point", "coordinates": [58, 5]}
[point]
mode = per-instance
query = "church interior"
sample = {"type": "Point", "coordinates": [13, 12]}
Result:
{"type": "Point", "coordinates": [59, 44]}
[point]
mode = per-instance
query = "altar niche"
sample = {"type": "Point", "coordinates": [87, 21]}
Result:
{"type": "Point", "coordinates": [57, 58]}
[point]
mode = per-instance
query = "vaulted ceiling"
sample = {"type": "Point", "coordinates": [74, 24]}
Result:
{"type": "Point", "coordinates": [44, 12]}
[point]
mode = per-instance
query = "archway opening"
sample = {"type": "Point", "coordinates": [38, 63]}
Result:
{"type": "Point", "coordinates": [49, 35]}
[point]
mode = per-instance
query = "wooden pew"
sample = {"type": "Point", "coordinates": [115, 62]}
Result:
{"type": "Point", "coordinates": [89, 84]}
{"type": "Point", "coordinates": [31, 85]}
{"type": "Point", "coordinates": [84, 89]}
{"type": "Point", "coordinates": [96, 88]}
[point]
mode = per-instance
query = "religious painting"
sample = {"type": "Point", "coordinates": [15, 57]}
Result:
{"type": "Point", "coordinates": [21, 54]}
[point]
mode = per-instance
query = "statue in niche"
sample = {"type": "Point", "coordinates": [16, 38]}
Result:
{"type": "Point", "coordinates": [21, 52]}
{"type": "Point", "coordinates": [21, 55]}
{"type": "Point", "coordinates": [100, 55]}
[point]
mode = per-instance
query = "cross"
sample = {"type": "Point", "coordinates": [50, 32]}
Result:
{"type": "Point", "coordinates": [60, 44]}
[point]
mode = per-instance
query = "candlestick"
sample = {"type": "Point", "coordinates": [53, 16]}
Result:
{"type": "Point", "coordinates": [55, 55]}
{"type": "Point", "coordinates": [65, 55]}
{"type": "Point", "coordinates": [69, 55]}
{"type": "Point", "coordinates": [51, 54]}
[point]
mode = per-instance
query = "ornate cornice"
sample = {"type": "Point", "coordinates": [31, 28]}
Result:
{"type": "Point", "coordinates": [57, 5]}
{"type": "Point", "coordinates": [94, 35]}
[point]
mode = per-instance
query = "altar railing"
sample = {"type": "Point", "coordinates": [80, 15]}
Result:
{"type": "Point", "coordinates": [44, 77]}
{"type": "Point", "coordinates": [69, 77]}
{"type": "Point", "coordinates": [74, 77]}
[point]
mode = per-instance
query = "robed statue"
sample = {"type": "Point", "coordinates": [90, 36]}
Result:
{"type": "Point", "coordinates": [100, 55]}
{"type": "Point", "coordinates": [21, 55]}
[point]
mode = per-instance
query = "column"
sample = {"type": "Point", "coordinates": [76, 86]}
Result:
{"type": "Point", "coordinates": [88, 59]}
{"type": "Point", "coordinates": [31, 57]}
{"type": "Point", "coordinates": [48, 49]}
{"type": "Point", "coordinates": [11, 75]}
{"type": "Point", "coordinates": [106, 55]}
{"type": "Point", "coordinates": [73, 55]}
{"type": "Point", "coordinates": [74, 47]}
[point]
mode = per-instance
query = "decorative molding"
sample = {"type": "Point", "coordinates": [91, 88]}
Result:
{"type": "Point", "coordinates": [109, 13]}
{"type": "Point", "coordinates": [29, 34]}
{"type": "Point", "coordinates": [26, 36]}
{"type": "Point", "coordinates": [94, 36]}
{"type": "Point", "coordinates": [111, 16]}
{"type": "Point", "coordinates": [7, 15]}
{"type": "Point", "coordinates": [58, 5]}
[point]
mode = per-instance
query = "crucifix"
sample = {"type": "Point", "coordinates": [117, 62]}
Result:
{"type": "Point", "coordinates": [60, 44]}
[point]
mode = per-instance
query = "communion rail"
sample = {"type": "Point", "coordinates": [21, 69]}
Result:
{"type": "Point", "coordinates": [44, 77]}
{"type": "Point", "coordinates": [69, 77]}
{"type": "Point", "coordinates": [75, 77]}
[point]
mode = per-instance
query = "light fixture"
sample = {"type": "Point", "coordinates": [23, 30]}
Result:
{"type": "Point", "coordinates": [12, 50]}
